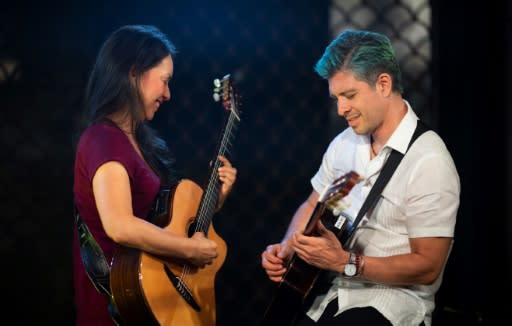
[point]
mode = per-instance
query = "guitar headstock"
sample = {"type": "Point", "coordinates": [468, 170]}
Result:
{"type": "Point", "coordinates": [225, 90]}
{"type": "Point", "coordinates": [339, 189]}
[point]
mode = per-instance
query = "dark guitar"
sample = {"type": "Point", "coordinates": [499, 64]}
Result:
{"type": "Point", "coordinates": [149, 290]}
{"type": "Point", "coordinates": [300, 277]}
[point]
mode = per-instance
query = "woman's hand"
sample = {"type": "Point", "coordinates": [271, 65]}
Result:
{"type": "Point", "coordinates": [204, 250]}
{"type": "Point", "coordinates": [227, 177]}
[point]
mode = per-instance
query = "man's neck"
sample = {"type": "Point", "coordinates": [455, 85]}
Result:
{"type": "Point", "coordinates": [396, 112]}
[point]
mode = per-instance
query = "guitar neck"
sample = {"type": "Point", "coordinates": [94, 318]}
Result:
{"type": "Point", "coordinates": [208, 203]}
{"type": "Point", "coordinates": [317, 214]}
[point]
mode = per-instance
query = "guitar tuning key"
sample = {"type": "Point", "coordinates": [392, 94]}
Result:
{"type": "Point", "coordinates": [216, 89]}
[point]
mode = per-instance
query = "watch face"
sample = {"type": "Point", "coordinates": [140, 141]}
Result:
{"type": "Point", "coordinates": [350, 269]}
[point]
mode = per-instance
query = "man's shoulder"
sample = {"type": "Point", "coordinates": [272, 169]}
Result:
{"type": "Point", "coordinates": [348, 135]}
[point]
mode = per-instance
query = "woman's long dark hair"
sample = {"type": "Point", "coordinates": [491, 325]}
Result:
{"type": "Point", "coordinates": [132, 49]}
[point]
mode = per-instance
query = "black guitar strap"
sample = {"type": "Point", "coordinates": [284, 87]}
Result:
{"type": "Point", "coordinates": [387, 171]}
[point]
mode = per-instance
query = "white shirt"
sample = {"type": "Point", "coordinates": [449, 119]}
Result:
{"type": "Point", "coordinates": [420, 200]}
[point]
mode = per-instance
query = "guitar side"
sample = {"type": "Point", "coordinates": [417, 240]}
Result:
{"type": "Point", "coordinates": [145, 294]}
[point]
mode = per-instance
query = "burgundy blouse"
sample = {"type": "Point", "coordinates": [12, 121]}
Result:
{"type": "Point", "coordinates": [101, 143]}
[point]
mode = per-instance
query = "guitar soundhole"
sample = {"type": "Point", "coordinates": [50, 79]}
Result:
{"type": "Point", "coordinates": [192, 228]}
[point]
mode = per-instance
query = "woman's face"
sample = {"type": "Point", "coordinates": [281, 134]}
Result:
{"type": "Point", "coordinates": [154, 86]}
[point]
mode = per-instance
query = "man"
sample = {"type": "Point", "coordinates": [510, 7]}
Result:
{"type": "Point", "coordinates": [402, 244]}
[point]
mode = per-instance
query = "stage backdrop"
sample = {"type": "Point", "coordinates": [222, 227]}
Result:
{"type": "Point", "coordinates": [270, 48]}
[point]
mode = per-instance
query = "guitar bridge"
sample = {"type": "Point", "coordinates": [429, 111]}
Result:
{"type": "Point", "coordinates": [182, 289]}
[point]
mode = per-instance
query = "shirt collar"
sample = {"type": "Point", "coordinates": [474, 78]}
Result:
{"type": "Point", "coordinates": [402, 135]}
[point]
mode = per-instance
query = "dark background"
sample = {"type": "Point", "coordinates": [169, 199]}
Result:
{"type": "Point", "coordinates": [270, 48]}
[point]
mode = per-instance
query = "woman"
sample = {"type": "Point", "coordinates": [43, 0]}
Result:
{"type": "Point", "coordinates": [121, 164]}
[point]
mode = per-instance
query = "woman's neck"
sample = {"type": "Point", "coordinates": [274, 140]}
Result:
{"type": "Point", "coordinates": [123, 121]}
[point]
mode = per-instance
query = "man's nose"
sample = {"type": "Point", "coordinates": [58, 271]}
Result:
{"type": "Point", "coordinates": [343, 106]}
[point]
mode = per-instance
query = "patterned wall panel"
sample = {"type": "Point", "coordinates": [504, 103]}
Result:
{"type": "Point", "coordinates": [408, 24]}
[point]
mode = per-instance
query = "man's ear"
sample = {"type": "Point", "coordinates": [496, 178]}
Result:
{"type": "Point", "coordinates": [384, 84]}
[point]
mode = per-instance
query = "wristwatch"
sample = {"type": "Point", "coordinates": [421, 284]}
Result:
{"type": "Point", "coordinates": [352, 266]}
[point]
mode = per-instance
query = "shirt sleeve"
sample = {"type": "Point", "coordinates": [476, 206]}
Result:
{"type": "Point", "coordinates": [433, 197]}
{"type": "Point", "coordinates": [324, 176]}
{"type": "Point", "coordinates": [103, 145]}
{"type": "Point", "coordinates": [334, 162]}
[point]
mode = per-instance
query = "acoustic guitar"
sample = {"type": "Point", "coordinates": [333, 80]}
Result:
{"type": "Point", "coordinates": [300, 277]}
{"type": "Point", "coordinates": [151, 290]}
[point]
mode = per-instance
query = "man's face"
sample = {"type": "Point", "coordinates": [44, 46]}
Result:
{"type": "Point", "coordinates": [359, 103]}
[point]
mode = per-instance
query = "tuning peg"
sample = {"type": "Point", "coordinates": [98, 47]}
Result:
{"type": "Point", "coordinates": [216, 97]}
{"type": "Point", "coordinates": [216, 82]}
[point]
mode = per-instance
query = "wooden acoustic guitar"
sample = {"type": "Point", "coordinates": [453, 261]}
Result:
{"type": "Point", "coordinates": [300, 277]}
{"type": "Point", "coordinates": [150, 290]}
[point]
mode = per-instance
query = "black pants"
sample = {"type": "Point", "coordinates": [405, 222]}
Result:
{"type": "Point", "coordinates": [367, 316]}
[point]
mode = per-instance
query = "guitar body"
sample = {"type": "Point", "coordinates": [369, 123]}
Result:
{"type": "Point", "coordinates": [142, 284]}
{"type": "Point", "coordinates": [291, 293]}
{"type": "Point", "coordinates": [300, 277]}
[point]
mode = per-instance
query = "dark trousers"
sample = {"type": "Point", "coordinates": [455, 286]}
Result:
{"type": "Point", "coordinates": [367, 316]}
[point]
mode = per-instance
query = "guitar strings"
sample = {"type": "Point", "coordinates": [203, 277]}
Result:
{"type": "Point", "coordinates": [212, 191]}
{"type": "Point", "coordinates": [211, 195]}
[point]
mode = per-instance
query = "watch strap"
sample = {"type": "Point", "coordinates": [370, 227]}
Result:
{"type": "Point", "coordinates": [357, 261]}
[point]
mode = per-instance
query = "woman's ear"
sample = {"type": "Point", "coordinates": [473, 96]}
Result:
{"type": "Point", "coordinates": [133, 74]}
{"type": "Point", "coordinates": [384, 84]}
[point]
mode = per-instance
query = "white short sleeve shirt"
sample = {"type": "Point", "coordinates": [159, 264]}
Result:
{"type": "Point", "coordinates": [420, 200]}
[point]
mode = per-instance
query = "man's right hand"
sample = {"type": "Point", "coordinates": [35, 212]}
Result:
{"type": "Point", "coordinates": [273, 260]}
